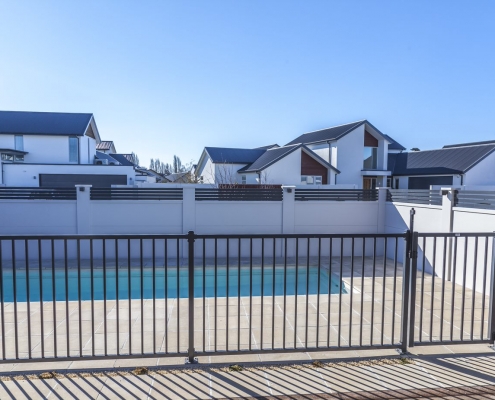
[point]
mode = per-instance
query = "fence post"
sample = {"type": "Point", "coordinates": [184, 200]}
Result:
{"type": "Point", "coordinates": [382, 204]}
{"type": "Point", "coordinates": [190, 351]}
{"type": "Point", "coordinates": [83, 209]}
{"type": "Point", "coordinates": [412, 294]}
{"type": "Point", "coordinates": [491, 314]}
{"type": "Point", "coordinates": [448, 201]}
{"type": "Point", "coordinates": [406, 277]}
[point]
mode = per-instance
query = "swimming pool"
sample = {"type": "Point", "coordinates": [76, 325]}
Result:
{"type": "Point", "coordinates": [131, 288]}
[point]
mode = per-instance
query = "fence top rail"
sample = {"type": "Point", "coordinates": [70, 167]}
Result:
{"type": "Point", "coordinates": [136, 189]}
{"type": "Point", "coordinates": [196, 236]}
{"type": "Point", "coordinates": [303, 236]}
{"type": "Point", "coordinates": [455, 234]}
{"type": "Point", "coordinates": [89, 237]}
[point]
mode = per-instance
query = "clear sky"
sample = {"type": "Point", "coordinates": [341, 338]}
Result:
{"type": "Point", "coordinates": [171, 77]}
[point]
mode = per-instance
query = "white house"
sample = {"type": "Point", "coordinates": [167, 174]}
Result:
{"type": "Point", "coordinates": [470, 164]}
{"type": "Point", "coordinates": [44, 149]}
{"type": "Point", "coordinates": [265, 165]}
{"type": "Point", "coordinates": [352, 154]}
{"type": "Point", "coordinates": [358, 149]}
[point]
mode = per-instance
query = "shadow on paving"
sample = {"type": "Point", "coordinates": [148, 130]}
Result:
{"type": "Point", "coordinates": [433, 376]}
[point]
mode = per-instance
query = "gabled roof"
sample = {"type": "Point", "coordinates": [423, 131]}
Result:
{"type": "Point", "coordinates": [270, 146]}
{"type": "Point", "coordinates": [124, 159]}
{"type": "Point", "coordinates": [469, 144]}
{"type": "Point", "coordinates": [233, 156]}
{"type": "Point", "coordinates": [103, 156]}
{"type": "Point", "coordinates": [104, 145]}
{"type": "Point", "coordinates": [43, 123]}
{"type": "Point", "coordinates": [271, 156]}
{"type": "Point", "coordinates": [323, 135]}
{"type": "Point", "coordinates": [456, 160]}
{"type": "Point", "coordinates": [393, 145]}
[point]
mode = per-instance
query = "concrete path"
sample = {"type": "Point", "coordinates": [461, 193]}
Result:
{"type": "Point", "coordinates": [454, 372]}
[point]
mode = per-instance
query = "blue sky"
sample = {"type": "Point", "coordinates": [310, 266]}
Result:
{"type": "Point", "coordinates": [165, 78]}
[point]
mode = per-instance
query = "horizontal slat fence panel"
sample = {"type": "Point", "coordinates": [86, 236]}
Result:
{"type": "Point", "coordinates": [27, 193]}
{"type": "Point", "coordinates": [236, 194]}
{"type": "Point", "coordinates": [136, 194]}
{"type": "Point", "coordinates": [426, 196]}
{"type": "Point", "coordinates": [336, 195]}
{"type": "Point", "coordinates": [475, 199]}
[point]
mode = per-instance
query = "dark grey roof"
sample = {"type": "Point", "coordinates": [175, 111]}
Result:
{"type": "Point", "coordinates": [104, 145]}
{"type": "Point", "coordinates": [13, 152]}
{"type": "Point", "coordinates": [233, 156]}
{"type": "Point", "coordinates": [103, 156]}
{"type": "Point", "coordinates": [393, 144]}
{"type": "Point", "coordinates": [271, 156]}
{"type": "Point", "coordinates": [455, 160]}
{"type": "Point", "coordinates": [43, 123]}
{"type": "Point", "coordinates": [469, 144]}
{"type": "Point", "coordinates": [326, 134]}
{"type": "Point", "coordinates": [270, 146]}
{"type": "Point", "coordinates": [122, 158]}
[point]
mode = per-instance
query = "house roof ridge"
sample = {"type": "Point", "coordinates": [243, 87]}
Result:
{"type": "Point", "coordinates": [336, 126]}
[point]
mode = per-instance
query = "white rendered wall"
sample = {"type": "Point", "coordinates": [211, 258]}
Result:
{"type": "Point", "coordinates": [286, 171]}
{"type": "Point", "coordinates": [482, 173]}
{"type": "Point", "coordinates": [322, 149]}
{"type": "Point", "coordinates": [27, 175]}
{"type": "Point", "coordinates": [24, 217]}
{"type": "Point", "coordinates": [350, 157]}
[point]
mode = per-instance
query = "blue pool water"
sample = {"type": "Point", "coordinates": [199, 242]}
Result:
{"type": "Point", "coordinates": [171, 277]}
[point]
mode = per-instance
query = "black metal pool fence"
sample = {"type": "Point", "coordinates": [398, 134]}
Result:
{"type": "Point", "coordinates": [393, 291]}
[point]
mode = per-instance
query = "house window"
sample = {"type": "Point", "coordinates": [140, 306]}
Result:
{"type": "Point", "coordinates": [73, 150]}
{"type": "Point", "coordinates": [7, 157]}
{"type": "Point", "coordinates": [19, 142]}
{"type": "Point", "coordinates": [311, 180]}
{"type": "Point", "coordinates": [243, 179]}
{"type": "Point", "coordinates": [389, 182]}
{"type": "Point", "coordinates": [370, 157]}
{"type": "Point", "coordinates": [396, 184]}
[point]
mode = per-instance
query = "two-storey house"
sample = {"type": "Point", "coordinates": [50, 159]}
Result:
{"type": "Point", "coordinates": [45, 149]}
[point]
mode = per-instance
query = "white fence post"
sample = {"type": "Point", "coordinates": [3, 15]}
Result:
{"type": "Point", "coordinates": [188, 209]}
{"type": "Point", "coordinates": [83, 209]}
{"type": "Point", "coordinates": [288, 209]}
{"type": "Point", "coordinates": [382, 204]}
{"type": "Point", "coordinates": [447, 226]}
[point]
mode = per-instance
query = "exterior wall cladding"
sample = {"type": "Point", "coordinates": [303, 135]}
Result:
{"type": "Point", "coordinates": [309, 166]}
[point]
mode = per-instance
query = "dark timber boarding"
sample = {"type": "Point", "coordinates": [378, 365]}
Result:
{"type": "Point", "coordinates": [195, 295]}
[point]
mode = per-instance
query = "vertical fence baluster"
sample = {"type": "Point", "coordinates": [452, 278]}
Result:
{"type": "Point", "coordinates": [92, 285]}
{"type": "Point", "coordinates": [216, 294]}
{"type": "Point", "coordinates": [117, 295]}
{"type": "Point", "coordinates": [433, 273]}
{"type": "Point", "coordinates": [262, 289]}
{"type": "Point", "coordinates": [373, 293]}
{"type": "Point", "coordinates": [104, 255]}
{"type": "Point", "coordinates": [204, 296]}
{"type": "Point", "coordinates": [28, 296]}
{"type": "Point", "coordinates": [421, 307]}
{"type": "Point", "coordinates": [141, 291]}
{"type": "Point", "coordinates": [362, 293]}
{"type": "Point", "coordinates": [153, 285]}
{"type": "Point", "coordinates": [227, 297]}
{"type": "Point", "coordinates": [42, 322]}
{"type": "Point", "coordinates": [473, 300]}
{"type": "Point", "coordinates": [351, 292]}
{"type": "Point", "coordinates": [395, 289]}
{"type": "Point", "coordinates": [273, 297]}
{"type": "Point", "coordinates": [295, 293]}
{"type": "Point", "coordinates": [318, 296]}
{"type": "Point", "coordinates": [491, 315]}
{"type": "Point", "coordinates": [452, 300]}
{"type": "Point", "coordinates": [165, 278]}
{"type": "Point", "coordinates": [54, 298]}
{"type": "Point", "coordinates": [444, 278]}
{"type": "Point", "coordinates": [463, 301]}
{"type": "Point", "coordinates": [341, 288]}
{"type": "Point", "coordinates": [238, 294]}
{"type": "Point", "coordinates": [190, 243]}
{"type": "Point", "coordinates": [383, 288]}
{"type": "Point", "coordinates": [2, 308]}
{"type": "Point", "coordinates": [483, 298]}
{"type": "Point", "coordinates": [285, 292]}
{"type": "Point", "coordinates": [66, 273]}
{"type": "Point", "coordinates": [79, 294]}
{"type": "Point", "coordinates": [177, 262]}
{"type": "Point", "coordinates": [329, 290]}
{"type": "Point", "coordinates": [307, 292]}
{"type": "Point", "coordinates": [129, 294]}
{"type": "Point", "coordinates": [250, 291]}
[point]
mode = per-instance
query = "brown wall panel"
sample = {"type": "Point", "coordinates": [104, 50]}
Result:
{"type": "Point", "coordinates": [309, 166]}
